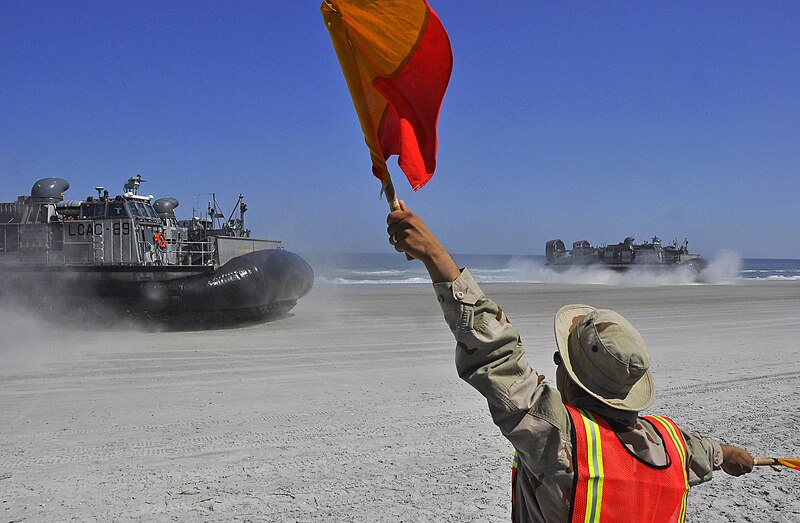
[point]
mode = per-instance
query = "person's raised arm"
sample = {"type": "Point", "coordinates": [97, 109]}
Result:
{"type": "Point", "coordinates": [489, 353]}
{"type": "Point", "coordinates": [409, 234]}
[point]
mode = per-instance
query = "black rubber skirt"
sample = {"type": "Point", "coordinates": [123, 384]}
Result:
{"type": "Point", "coordinates": [251, 286]}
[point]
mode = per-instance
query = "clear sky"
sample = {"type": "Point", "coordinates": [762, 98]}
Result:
{"type": "Point", "coordinates": [571, 120]}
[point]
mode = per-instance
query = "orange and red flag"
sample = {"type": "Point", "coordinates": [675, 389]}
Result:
{"type": "Point", "coordinates": [793, 463]}
{"type": "Point", "coordinates": [397, 60]}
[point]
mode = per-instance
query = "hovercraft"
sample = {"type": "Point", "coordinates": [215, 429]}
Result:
{"type": "Point", "coordinates": [648, 255]}
{"type": "Point", "coordinates": [129, 253]}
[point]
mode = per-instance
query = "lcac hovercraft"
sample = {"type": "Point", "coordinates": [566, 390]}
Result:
{"type": "Point", "coordinates": [131, 254]}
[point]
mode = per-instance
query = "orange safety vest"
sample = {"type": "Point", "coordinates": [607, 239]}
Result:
{"type": "Point", "coordinates": [612, 485]}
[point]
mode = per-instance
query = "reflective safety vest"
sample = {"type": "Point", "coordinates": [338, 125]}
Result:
{"type": "Point", "coordinates": [614, 486]}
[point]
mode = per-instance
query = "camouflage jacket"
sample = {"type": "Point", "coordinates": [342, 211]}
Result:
{"type": "Point", "coordinates": [528, 411]}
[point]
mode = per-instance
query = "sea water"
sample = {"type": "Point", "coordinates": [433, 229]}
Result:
{"type": "Point", "coordinates": [758, 268]}
{"type": "Point", "coordinates": [394, 269]}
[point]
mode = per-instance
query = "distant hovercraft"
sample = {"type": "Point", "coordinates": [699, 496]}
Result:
{"type": "Point", "coordinates": [623, 256]}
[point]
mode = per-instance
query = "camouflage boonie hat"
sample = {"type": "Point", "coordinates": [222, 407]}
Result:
{"type": "Point", "coordinates": [605, 356]}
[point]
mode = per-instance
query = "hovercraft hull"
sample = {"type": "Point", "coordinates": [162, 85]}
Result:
{"type": "Point", "coordinates": [255, 286]}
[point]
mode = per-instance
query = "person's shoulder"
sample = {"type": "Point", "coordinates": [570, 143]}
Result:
{"type": "Point", "coordinates": [550, 407]}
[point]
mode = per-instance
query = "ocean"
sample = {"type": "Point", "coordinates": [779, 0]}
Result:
{"type": "Point", "coordinates": [394, 269]}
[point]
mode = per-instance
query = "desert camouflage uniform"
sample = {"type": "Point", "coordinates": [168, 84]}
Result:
{"type": "Point", "coordinates": [530, 413]}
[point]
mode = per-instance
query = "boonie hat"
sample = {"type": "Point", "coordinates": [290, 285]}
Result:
{"type": "Point", "coordinates": [605, 356]}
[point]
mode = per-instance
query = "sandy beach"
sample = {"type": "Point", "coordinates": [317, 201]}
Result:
{"type": "Point", "coordinates": [351, 410]}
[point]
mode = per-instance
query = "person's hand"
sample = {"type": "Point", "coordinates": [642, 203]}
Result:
{"type": "Point", "coordinates": [736, 461]}
{"type": "Point", "coordinates": [409, 234]}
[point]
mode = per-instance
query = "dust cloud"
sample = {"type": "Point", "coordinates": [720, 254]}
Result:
{"type": "Point", "coordinates": [35, 338]}
{"type": "Point", "coordinates": [723, 269]}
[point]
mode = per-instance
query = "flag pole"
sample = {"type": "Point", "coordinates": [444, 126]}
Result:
{"type": "Point", "coordinates": [793, 463]}
{"type": "Point", "coordinates": [391, 195]}
{"type": "Point", "coordinates": [394, 203]}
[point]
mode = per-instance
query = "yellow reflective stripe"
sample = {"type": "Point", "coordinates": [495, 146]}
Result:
{"type": "Point", "coordinates": [594, 494]}
{"type": "Point", "coordinates": [673, 434]}
{"type": "Point", "coordinates": [675, 438]}
{"type": "Point", "coordinates": [515, 463]}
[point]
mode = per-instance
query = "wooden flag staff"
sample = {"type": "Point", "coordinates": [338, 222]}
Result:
{"type": "Point", "coordinates": [394, 203]}
{"type": "Point", "coordinates": [391, 195]}
{"type": "Point", "coordinates": [792, 463]}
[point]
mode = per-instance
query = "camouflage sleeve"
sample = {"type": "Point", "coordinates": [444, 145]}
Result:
{"type": "Point", "coordinates": [704, 457]}
{"type": "Point", "coordinates": [490, 357]}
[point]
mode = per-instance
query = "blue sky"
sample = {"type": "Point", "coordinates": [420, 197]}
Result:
{"type": "Point", "coordinates": [562, 120]}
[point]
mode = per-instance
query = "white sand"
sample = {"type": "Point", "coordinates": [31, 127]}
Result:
{"type": "Point", "coordinates": [351, 410]}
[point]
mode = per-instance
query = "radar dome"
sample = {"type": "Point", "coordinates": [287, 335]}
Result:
{"type": "Point", "coordinates": [49, 189]}
{"type": "Point", "coordinates": [165, 206]}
